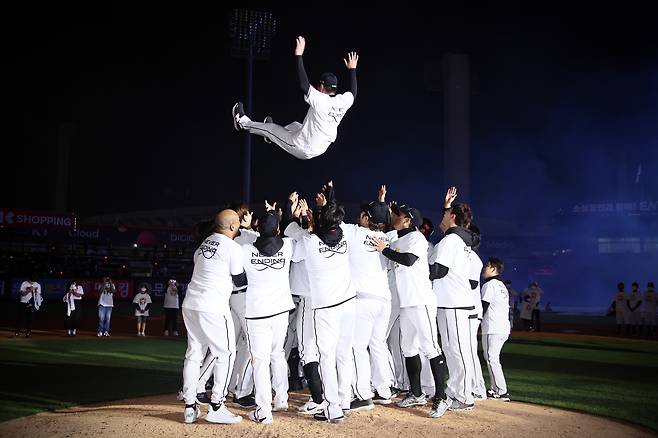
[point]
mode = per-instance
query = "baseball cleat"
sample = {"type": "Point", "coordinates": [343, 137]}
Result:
{"type": "Point", "coordinates": [219, 414]}
{"type": "Point", "coordinates": [237, 111]}
{"type": "Point", "coordinates": [379, 400]}
{"type": "Point", "coordinates": [361, 405]}
{"type": "Point", "coordinates": [502, 397]}
{"type": "Point", "coordinates": [202, 398]}
{"type": "Point", "coordinates": [479, 397]}
{"type": "Point", "coordinates": [311, 408]}
{"type": "Point", "coordinates": [322, 417]}
{"type": "Point", "coordinates": [412, 400]}
{"type": "Point", "coordinates": [458, 406]}
{"type": "Point", "coordinates": [248, 401]}
{"type": "Point", "coordinates": [191, 414]}
{"type": "Point", "coordinates": [252, 416]}
{"type": "Point", "coordinates": [439, 407]}
{"type": "Point", "coordinates": [268, 119]}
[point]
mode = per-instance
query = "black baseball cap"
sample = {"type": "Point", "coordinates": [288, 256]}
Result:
{"type": "Point", "coordinates": [268, 224]}
{"type": "Point", "coordinates": [412, 213]}
{"type": "Point", "coordinates": [329, 80]}
{"type": "Point", "coordinates": [377, 211]}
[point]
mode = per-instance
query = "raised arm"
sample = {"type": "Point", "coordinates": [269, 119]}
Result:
{"type": "Point", "coordinates": [301, 71]}
{"type": "Point", "coordinates": [350, 62]}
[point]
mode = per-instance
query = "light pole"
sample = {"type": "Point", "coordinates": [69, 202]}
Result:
{"type": "Point", "coordinates": [251, 36]}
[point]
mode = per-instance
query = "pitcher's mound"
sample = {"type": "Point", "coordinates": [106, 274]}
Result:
{"type": "Point", "coordinates": [162, 416]}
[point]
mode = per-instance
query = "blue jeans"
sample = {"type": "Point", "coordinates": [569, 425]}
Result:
{"type": "Point", "coordinates": [104, 316]}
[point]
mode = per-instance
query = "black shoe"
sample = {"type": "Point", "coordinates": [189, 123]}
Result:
{"type": "Point", "coordinates": [295, 384]}
{"type": "Point", "coordinates": [322, 417]}
{"type": "Point", "coordinates": [361, 405]}
{"type": "Point", "coordinates": [237, 111]}
{"type": "Point", "coordinates": [202, 398]}
{"type": "Point", "coordinates": [378, 399]}
{"type": "Point", "coordinates": [248, 401]}
{"type": "Point", "coordinates": [502, 397]}
{"type": "Point", "coordinates": [268, 119]}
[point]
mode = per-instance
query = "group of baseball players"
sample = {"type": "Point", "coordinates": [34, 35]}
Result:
{"type": "Point", "coordinates": [366, 312]}
{"type": "Point", "coordinates": [372, 310]}
{"type": "Point", "coordinates": [635, 312]}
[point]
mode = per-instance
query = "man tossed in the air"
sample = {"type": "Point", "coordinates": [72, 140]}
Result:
{"type": "Point", "coordinates": [326, 109]}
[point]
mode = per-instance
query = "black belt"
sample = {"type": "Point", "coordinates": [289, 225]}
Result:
{"type": "Point", "coordinates": [235, 292]}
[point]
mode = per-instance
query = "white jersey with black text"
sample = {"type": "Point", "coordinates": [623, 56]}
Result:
{"type": "Point", "coordinates": [454, 290]}
{"type": "Point", "coordinates": [496, 319]}
{"type": "Point", "coordinates": [215, 261]}
{"type": "Point", "coordinates": [413, 282]}
{"type": "Point", "coordinates": [268, 282]}
{"type": "Point", "coordinates": [369, 266]}
{"type": "Point", "coordinates": [328, 267]}
{"type": "Point", "coordinates": [320, 125]}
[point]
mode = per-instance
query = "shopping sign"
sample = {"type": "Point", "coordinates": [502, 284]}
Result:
{"type": "Point", "coordinates": [13, 218]}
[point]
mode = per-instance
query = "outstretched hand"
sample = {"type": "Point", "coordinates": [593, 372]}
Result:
{"type": "Point", "coordinates": [269, 207]}
{"type": "Point", "coordinates": [246, 219]}
{"type": "Point", "coordinates": [300, 46]}
{"type": "Point", "coordinates": [451, 194]}
{"type": "Point", "coordinates": [352, 60]}
{"type": "Point", "coordinates": [320, 200]}
{"type": "Point", "coordinates": [381, 195]}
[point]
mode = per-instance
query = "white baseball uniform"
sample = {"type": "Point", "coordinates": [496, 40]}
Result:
{"type": "Point", "coordinates": [333, 302]}
{"type": "Point", "coordinates": [621, 308]}
{"type": "Point", "coordinates": [207, 315]}
{"type": "Point", "coordinates": [269, 303]}
{"type": "Point", "coordinates": [373, 310]}
{"type": "Point", "coordinates": [454, 299]}
{"type": "Point", "coordinates": [299, 286]}
{"type": "Point", "coordinates": [313, 137]}
{"type": "Point", "coordinates": [242, 378]}
{"type": "Point", "coordinates": [495, 331]}
{"type": "Point", "coordinates": [474, 319]}
{"type": "Point", "coordinates": [634, 301]}
{"type": "Point", "coordinates": [650, 307]}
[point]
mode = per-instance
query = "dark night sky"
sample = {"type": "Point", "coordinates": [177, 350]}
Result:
{"type": "Point", "coordinates": [564, 106]}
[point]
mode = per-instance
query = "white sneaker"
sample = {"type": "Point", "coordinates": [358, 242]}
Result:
{"type": "Point", "coordinates": [106, 334]}
{"type": "Point", "coordinates": [166, 333]}
{"type": "Point", "coordinates": [74, 332]}
{"type": "Point", "coordinates": [439, 407]}
{"type": "Point", "coordinates": [280, 407]}
{"type": "Point", "coordinates": [180, 395]}
{"type": "Point", "coordinates": [191, 414]}
{"type": "Point", "coordinates": [175, 333]}
{"type": "Point", "coordinates": [267, 420]}
{"type": "Point", "coordinates": [311, 408]}
{"type": "Point", "coordinates": [99, 334]}
{"type": "Point", "coordinates": [70, 333]}
{"type": "Point", "coordinates": [222, 415]}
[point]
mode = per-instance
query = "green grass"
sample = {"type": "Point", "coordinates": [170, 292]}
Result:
{"type": "Point", "coordinates": [613, 378]}
{"type": "Point", "coordinates": [52, 374]}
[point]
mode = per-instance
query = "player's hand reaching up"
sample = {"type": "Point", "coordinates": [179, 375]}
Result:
{"type": "Point", "coordinates": [352, 60]}
{"type": "Point", "coordinates": [451, 194]}
{"type": "Point", "coordinates": [300, 46]}
{"type": "Point", "coordinates": [320, 200]}
{"type": "Point", "coordinates": [381, 195]}
{"type": "Point", "coordinates": [269, 207]}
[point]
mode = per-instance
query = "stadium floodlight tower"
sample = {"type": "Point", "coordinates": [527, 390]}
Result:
{"type": "Point", "coordinates": [251, 35]}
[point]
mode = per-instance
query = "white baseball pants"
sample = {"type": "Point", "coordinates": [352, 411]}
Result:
{"type": "Point", "coordinates": [479, 387]}
{"type": "Point", "coordinates": [266, 337]}
{"type": "Point", "coordinates": [282, 136]}
{"type": "Point", "coordinates": [369, 351]}
{"type": "Point", "coordinates": [242, 379]}
{"type": "Point", "coordinates": [334, 329]}
{"type": "Point", "coordinates": [308, 350]}
{"type": "Point", "coordinates": [492, 344]}
{"type": "Point", "coordinates": [456, 343]}
{"type": "Point", "coordinates": [214, 331]}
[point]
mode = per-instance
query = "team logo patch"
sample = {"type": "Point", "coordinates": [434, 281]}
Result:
{"type": "Point", "coordinates": [207, 251]}
{"type": "Point", "coordinates": [261, 262]}
{"type": "Point", "coordinates": [330, 251]}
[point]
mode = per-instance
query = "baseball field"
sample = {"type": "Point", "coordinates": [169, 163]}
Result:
{"type": "Point", "coordinates": [566, 385]}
